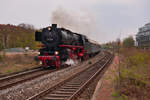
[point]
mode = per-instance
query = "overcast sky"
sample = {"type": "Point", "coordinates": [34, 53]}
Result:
{"type": "Point", "coordinates": [108, 19]}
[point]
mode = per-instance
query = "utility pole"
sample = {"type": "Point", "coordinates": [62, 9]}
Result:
{"type": "Point", "coordinates": [119, 73]}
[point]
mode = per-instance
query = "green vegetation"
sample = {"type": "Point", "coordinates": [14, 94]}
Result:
{"type": "Point", "coordinates": [111, 45]}
{"type": "Point", "coordinates": [115, 45]}
{"type": "Point", "coordinates": [128, 42]}
{"type": "Point", "coordinates": [134, 79]}
{"type": "Point", "coordinates": [117, 96]}
{"type": "Point", "coordinates": [12, 36]}
{"type": "Point", "coordinates": [20, 36]}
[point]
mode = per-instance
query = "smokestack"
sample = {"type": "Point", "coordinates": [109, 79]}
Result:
{"type": "Point", "coordinates": [54, 26]}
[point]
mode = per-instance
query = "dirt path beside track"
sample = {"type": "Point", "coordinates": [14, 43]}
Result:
{"type": "Point", "coordinates": [105, 86]}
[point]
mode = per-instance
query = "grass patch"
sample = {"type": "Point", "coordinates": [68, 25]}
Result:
{"type": "Point", "coordinates": [17, 62]}
{"type": "Point", "coordinates": [117, 96]}
{"type": "Point", "coordinates": [134, 80]}
{"type": "Point", "coordinates": [9, 71]}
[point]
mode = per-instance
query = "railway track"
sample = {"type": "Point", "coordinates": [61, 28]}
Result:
{"type": "Point", "coordinates": [12, 80]}
{"type": "Point", "coordinates": [71, 88]}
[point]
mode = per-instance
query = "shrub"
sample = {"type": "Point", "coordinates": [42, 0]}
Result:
{"type": "Point", "coordinates": [134, 74]}
{"type": "Point", "coordinates": [128, 42]}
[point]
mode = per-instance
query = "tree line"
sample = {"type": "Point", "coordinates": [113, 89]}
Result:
{"type": "Point", "coordinates": [127, 42]}
{"type": "Point", "coordinates": [12, 36]}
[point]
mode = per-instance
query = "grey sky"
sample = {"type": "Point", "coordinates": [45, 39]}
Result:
{"type": "Point", "coordinates": [110, 17]}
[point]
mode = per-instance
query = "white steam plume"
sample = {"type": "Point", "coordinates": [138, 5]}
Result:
{"type": "Point", "coordinates": [80, 22]}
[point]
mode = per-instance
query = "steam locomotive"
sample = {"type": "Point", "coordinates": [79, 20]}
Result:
{"type": "Point", "coordinates": [60, 44]}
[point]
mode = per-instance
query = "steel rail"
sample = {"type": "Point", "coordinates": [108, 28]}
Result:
{"type": "Point", "coordinates": [81, 89]}
{"type": "Point", "coordinates": [18, 74]}
{"type": "Point", "coordinates": [43, 93]}
{"type": "Point", "coordinates": [18, 77]}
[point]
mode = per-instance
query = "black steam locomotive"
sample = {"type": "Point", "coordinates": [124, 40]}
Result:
{"type": "Point", "coordinates": [60, 44]}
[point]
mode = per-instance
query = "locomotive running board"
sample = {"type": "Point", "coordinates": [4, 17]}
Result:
{"type": "Point", "coordinates": [71, 46]}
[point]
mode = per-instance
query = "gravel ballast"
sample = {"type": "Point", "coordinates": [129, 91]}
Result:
{"type": "Point", "coordinates": [30, 88]}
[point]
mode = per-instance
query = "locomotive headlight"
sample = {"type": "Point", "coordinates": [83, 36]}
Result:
{"type": "Point", "coordinates": [56, 52]}
{"type": "Point", "coordinates": [38, 52]}
{"type": "Point", "coordinates": [49, 28]}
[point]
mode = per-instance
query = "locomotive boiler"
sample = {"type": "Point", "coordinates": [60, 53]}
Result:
{"type": "Point", "coordinates": [60, 44]}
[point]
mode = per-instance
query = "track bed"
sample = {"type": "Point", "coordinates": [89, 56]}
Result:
{"type": "Point", "coordinates": [72, 87]}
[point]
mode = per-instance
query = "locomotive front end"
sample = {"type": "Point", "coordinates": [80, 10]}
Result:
{"type": "Point", "coordinates": [49, 51]}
